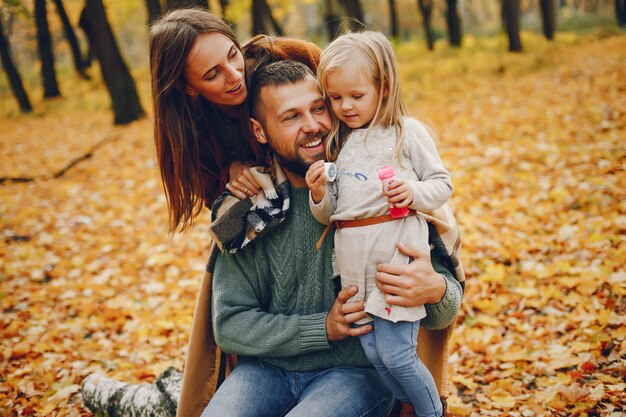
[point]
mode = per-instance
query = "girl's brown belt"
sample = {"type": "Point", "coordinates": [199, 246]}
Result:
{"type": "Point", "coordinates": [341, 224]}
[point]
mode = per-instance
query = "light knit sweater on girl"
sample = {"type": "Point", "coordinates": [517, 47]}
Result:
{"type": "Point", "coordinates": [357, 194]}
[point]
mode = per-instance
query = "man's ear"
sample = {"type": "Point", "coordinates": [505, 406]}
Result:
{"type": "Point", "coordinates": [258, 131]}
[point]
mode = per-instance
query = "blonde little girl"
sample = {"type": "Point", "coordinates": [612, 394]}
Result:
{"type": "Point", "coordinates": [359, 77]}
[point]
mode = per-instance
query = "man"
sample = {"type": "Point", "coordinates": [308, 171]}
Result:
{"type": "Point", "coordinates": [275, 304]}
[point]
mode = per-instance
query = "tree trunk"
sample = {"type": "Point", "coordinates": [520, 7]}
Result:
{"type": "Point", "coordinates": [104, 396]}
{"type": "Point", "coordinates": [393, 19]}
{"type": "Point", "coordinates": [44, 43]}
{"type": "Point", "coordinates": [262, 19]}
{"type": "Point", "coordinates": [331, 20]}
{"type": "Point", "coordinates": [454, 23]}
{"type": "Point", "coordinates": [154, 10]}
{"type": "Point", "coordinates": [426, 8]}
{"type": "Point", "coordinates": [119, 82]}
{"type": "Point", "coordinates": [70, 35]}
{"type": "Point", "coordinates": [224, 6]}
{"type": "Point", "coordinates": [620, 12]}
{"type": "Point", "coordinates": [13, 75]}
{"type": "Point", "coordinates": [179, 4]}
{"type": "Point", "coordinates": [548, 16]}
{"type": "Point", "coordinates": [510, 18]}
{"type": "Point", "coordinates": [354, 11]}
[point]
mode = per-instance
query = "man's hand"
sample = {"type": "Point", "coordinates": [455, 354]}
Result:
{"type": "Point", "coordinates": [316, 180]}
{"type": "Point", "coordinates": [343, 314]}
{"type": "Point", "coordinates": [413, 284]}
{"type": "Point", "coordinates": [399, 193]}
{"type": "Point", "coordinates": [242, 184]}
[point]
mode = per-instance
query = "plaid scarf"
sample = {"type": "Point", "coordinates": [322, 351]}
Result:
{"type": "Point", "coordinates": [235, 223]}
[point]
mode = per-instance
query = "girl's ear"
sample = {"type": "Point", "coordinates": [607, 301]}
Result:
{"type": "Point", "coordinates": [258, 131]}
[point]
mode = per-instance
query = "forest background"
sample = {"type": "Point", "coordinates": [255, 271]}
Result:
{"type": "Point", "coordinates": [91, 281]}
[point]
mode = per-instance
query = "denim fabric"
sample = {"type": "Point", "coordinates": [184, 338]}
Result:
{"type": "Point", "coordinates": [257, 389]}
{"type": "Point", "coordinates": [392, 349]}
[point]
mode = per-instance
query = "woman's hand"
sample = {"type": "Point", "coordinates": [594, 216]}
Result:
{"type": "Point", "coordinates": [242, 184]}
{"type": "Point", "coordinates": [343, 314]}
{"type": "Point", "coordinates": [316, 180]}
{"type": "Point", "coordinates": [413, 284]}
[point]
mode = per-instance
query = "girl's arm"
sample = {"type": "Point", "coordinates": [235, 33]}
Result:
{"type": "Point", "coordinates": [435, 185]}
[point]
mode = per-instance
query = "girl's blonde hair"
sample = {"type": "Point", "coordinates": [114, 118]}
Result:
{"type": "Point", "coordinates": [371, 54]}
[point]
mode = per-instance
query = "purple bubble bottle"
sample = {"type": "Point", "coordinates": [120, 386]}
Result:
{"type": "Point", "coordinates": [387, 174]}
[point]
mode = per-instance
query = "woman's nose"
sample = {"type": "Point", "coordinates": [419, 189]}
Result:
{"type": "Point", "coordinates": [233, 74]}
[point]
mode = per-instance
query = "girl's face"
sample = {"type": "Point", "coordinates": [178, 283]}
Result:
{"type": "Point", "coordinates": [214, 68]}
{"type": "Point", "coordinates": [353, 97]}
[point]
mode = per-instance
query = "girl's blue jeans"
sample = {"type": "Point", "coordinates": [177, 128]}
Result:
{"type": "Point", "coordinates": [392, 349]}
{"type": "Point", "coordinates": [257, 389]}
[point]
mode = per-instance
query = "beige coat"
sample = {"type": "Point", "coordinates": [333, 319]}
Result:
{"type": "Point", "coordinates": [202, 366]}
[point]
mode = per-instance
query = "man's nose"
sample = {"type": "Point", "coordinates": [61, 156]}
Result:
{"type": "Point", "coordinates": [310, 125]}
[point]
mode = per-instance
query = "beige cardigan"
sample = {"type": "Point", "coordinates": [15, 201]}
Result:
{"type": "Point", "coordinates": [201, 374]}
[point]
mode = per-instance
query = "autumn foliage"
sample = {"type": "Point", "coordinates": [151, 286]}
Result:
{"type": "Point", "coordinates": [90, 280]}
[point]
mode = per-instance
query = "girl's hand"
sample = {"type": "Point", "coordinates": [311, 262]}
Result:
{"type": "Point", "coordinates": [413, 284]}
{"type": "Point", "coordinates": [242, 184]}
{"type": "Point", "coordinates": [399, 193]}
{"type": "Point", "coordinates": [316, 180]}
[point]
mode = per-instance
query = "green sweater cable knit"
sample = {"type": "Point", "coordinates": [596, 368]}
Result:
{"type": "Point", "coordinates": [271, 298]}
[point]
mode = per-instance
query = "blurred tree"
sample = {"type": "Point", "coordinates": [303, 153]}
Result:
{"type": "Point", "coordinates": [354, 12]}
{"type": "Point", "coordinates": [154, 10]}
{"type": "Point", "coordinates": [510, 19]}
{"type": "Point", "coordinates": [119, 82]}
{"type": "Point", "coordinates": [15, 81]}
{"type": "Point", "coordinates": [70, 35]}
{"type": "Point", "coordinates": [44, 44]}
{"type": "Point", "coordinates": [426, 8]}
{"type": "Point", "coordinates": [393, 19]}
{"type": "Point", "coordinates": [224, 7]}
{"type": "Point", "coordinates": [179, 4]}
{"type": "Point", "coordinates": [262, 19]}
{"type": "Point", "coordinates": [548, 17]}
{"type": "Point", "coordinates": [331, 19]}
{"type": "Point", "coordinates": [453, 20]}
{"type": "Point", "coordinates": [620, 11]}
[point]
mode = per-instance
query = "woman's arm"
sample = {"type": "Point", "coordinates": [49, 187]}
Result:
{"type": "Point", "coordinates": [425, 281]}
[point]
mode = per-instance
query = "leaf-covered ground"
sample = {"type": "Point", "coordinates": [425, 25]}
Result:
{"type": "Point", "coordinates": [90, 280]}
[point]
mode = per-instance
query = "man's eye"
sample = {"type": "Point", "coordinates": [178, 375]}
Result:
{"type": "Point", "coordinates": [291, 117]}
{"type": "Point", "coordinates": [320, 109]}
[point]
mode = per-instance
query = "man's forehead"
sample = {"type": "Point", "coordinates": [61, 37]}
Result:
{"type": "Point", "coordinates": [280, 99]}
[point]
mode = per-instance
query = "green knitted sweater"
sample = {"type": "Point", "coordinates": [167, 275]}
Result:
{"type": "Point", "coordinates": [270, 299]}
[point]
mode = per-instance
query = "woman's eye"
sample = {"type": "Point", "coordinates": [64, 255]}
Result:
{"type": "Point", "coordinates": [211, 75]}
{"type": "Point", "coordinates": [233, 53]}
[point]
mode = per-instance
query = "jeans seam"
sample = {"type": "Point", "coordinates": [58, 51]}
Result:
{"type": "Point", "coordinates": [388, 397]}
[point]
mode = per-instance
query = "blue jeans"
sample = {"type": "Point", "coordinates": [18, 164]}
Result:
{"type": "Point", "coordinates": [256, 389]}
{"type": "Point", "coordinates": [392, 349]}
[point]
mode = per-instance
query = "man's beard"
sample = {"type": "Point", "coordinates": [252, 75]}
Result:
{"type": "Point", "coordinates": [294, 162]}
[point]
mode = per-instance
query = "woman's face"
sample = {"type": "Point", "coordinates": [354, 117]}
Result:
{"type": "Point", "coordinates": [214, 68]}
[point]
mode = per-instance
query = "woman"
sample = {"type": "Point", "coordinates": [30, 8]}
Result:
{"type": "Point", "coordinates": [199, 90]}
{"type": "Point", "coordinates": [200, 82]}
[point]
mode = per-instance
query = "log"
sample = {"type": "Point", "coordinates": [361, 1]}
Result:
{"type": "Point", "coordinates": [110, 398]}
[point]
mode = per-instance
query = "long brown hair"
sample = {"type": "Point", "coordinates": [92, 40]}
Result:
{"type": "Point", "coordinates": [187, 150]}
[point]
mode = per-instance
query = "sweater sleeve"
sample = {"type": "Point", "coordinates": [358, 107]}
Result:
{"type": "Point", "coordinates": [434, 187]}
{"type": "Point", "coordinates": [442, 314]}
{"type": "Point", "coordinates": [241, 323]}
{"type": "Point", "coordinates": [327, 205]}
